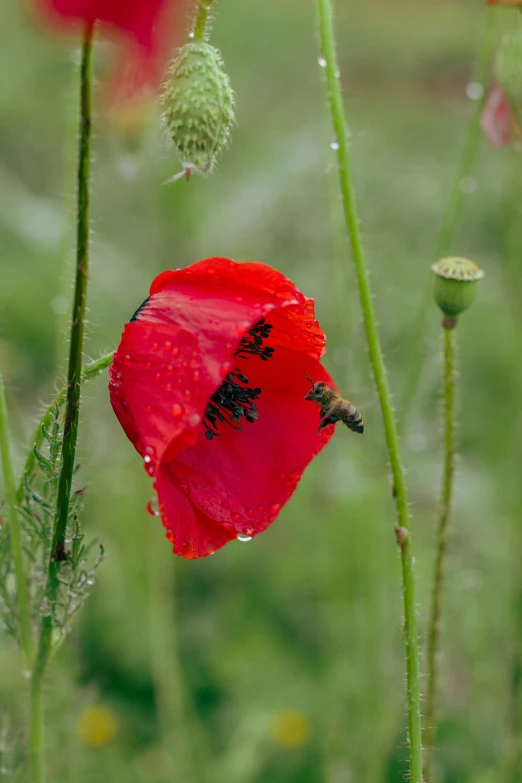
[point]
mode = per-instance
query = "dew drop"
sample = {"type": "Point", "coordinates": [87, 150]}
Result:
{"type": "Point", "coordinates": [210, 548]}
{"type": "Point", "coordinates": [170, 536]}
{"type": "Point", "coordinates": [236, 518]}
{"type": "Point", "coordinates": [152, 507]}
{"type": "Point", "coordinates": [259, 509]}
{"type": "Point", "coordinates": [175, 351]}
{"type": "Point", "coordinates": [196, 375]}
{"type": "Point", "coordinates": [167, 345]}
{"type": "Point", "coordinates": [187, 394]}
{"type": "Point", "coordinates": [322, 62]}
{"type": "Point", "coordinates": [468, 185]}
{"type": "Point", "coordinates": [474, 91]}
{"type": "Point", "coordinates": [149, 409]}
{"type": "Point", "coordinates": [168, 387]}
{"type": "Point", "coordinates": [248, 531]}
{"type": "Point", "coordinates": [157, 377]}
{"type": "Point", "coordinates": [334, 145]}
{"type": "Point", "coordinates": [250, 513]}
{"type": "Point", "coordinates": [194, 420]}
{"type": "Point", "coordinates": [225, 504]}
{"type": "Point", "coordinates": [184, 488]}
{"type": "Point", "coordinates": [176, 409]}
{"type": "Point", "coordinates": [275, 508]}
{"type": "Point", "coordinates": [243, 538]}
{"type": "Point", "coordinates": [187, 550]}
{"type": "Point", "coordinates": [155, 346]}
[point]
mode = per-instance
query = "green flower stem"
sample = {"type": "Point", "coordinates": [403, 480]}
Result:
{"type": "Point", "coordinates": [328, 52]}
{"type": "Point", "coordinates": [452, 215]}
{"type": "Point", "coordinates": [15, 532]}
{"type": "Point", "coordinates": [72, 409]}
{"type": "Point", "coordinates": [92, 370]}
{"type": "Point", "coordinates": [442, 534]}
{"type": "Point", "coordinates": [202, 23]}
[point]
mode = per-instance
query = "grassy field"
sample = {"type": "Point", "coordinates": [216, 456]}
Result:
{"type": "Point", "coordinates": [290, 647]}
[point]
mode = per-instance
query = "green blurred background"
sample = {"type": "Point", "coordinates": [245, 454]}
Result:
{"type": "Point", "coordinates": [290, 648]}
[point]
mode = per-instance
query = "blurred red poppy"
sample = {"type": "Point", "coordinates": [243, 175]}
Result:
{"type": "Point", "coordinates": [146, 26]}
{"type": "Point", "coordinates": [505, 2]}
{"type": "Point", "coordinates": [209, 383]}
{"type": "Point", "coordinates": [498, 121]}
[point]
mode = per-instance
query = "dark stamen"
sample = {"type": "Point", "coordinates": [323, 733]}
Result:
{"type": "Point", "coordinates": [234, 400]}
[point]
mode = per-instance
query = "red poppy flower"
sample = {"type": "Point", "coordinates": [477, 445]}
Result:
{"type": "Point", "coordinates": [498, 121]}
{"type": "Point", "coordinates": [506, 3]}
{"type": "Point", "coordinates": [147, 26]}
{"type": "Point", "coordinates": [209, 383]}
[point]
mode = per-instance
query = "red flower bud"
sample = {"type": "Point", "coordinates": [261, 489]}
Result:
{"type": "Point", "coordinates": [209, 384]}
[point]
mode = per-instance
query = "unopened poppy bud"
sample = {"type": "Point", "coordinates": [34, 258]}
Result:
{"type": "Point", "coordinates": [455, 284]}
{"type": "Point", "coordinates": [198, 106]}
{"type": "Point", "coordinates": [508, 70]}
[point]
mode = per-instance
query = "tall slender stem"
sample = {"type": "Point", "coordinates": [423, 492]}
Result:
{"type": "Point", "coordinates": [15, 533]}
{"type": "Point", "coordinates": [202, 22]}
{"type": "Point", "coordinates": [329, 56]}
{"type": "Point", "coordinates": [442, 534]}
{"type": "Point", "coordinates": [452, 214]}
{"type": "Point", "coordinates": [72, 408]}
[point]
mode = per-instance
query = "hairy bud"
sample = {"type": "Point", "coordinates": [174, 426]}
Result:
{"type": "Point", "coordinates": [198, 106]}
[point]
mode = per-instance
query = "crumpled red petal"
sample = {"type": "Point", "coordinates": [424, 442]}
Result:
{"type": "Point", "coordinates": [176, 355]}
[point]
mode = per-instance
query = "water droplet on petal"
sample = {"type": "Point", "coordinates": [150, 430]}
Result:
{"type": "Point", "coordinates": [196, 375]}
{"type": "Point", "coordinates": [225, 504]}
{"type": "Point", "coordinates": [168, 387]}
{"type": "Point", "coordinates": [210, 548]}
{"type": "Point", "coordinates": [167, 345]}
{"type": "Point", "coordinates": [187, 394]}
{"type": "Point", "coordinates": [187, 550]}
{"type": "Point", "coordinates": [184, 488]}
{"type": "Point", "coordinates": [322, 62]}
{"type": "Point", "coordinates": [236, 518]}
{"type": "Point", "coordinates": [155, 346]}
{"type": "Point", "coordinates": [243, 538]}
{"type": "Point", "coordinates": [275, 508]}
{"type": "Point", "coordinates": [152, 507]}
{"type": "Point", "coordinates": [175, 351]}
{"type": "Point", "coordinates": [248, 531]}
{"type": "Point", "coordinates": [250, 513]}
{"type": "Point", "coordinates": [170, 535]}
{"type": "Point", "coordinates": [176, 409]}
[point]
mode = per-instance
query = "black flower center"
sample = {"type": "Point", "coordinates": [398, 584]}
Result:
{"type": "Point", "coordinates": [235, 399]}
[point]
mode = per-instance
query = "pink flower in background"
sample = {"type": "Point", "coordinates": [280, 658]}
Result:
{"type": "Point", "coordinates": [498, 121]}
{"type": "Point", "coordinates": [146, 30]}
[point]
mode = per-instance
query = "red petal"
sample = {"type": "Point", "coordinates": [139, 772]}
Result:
{"type": "Point", "coordinates": [244, 478]}
{"type": "Point", "coordinates": [191, 532]}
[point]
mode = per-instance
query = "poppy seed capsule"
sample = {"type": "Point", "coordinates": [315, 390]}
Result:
{"type": "Point", "coordinates": [455, 284]}
{"type": "Point", "coordinates": [508, 69]}
{"type": "Point", "coordinates": [198, 106]}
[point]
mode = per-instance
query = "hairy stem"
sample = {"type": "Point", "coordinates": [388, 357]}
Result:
{"type": "Point", "coordinates": [452, 215]}
{"type": "Point", "coordinates": [72, 409]}
{"type": "Point", "coordinates": [442, 535]}
{"type": "Point", "coordinates": [22, 590]}
{"type": "Point", "coordinates": [90, 371]}
{"type": "Point", "coordinates": [329, 57]}
{"type": "Point", "coordinates": [203, 20]}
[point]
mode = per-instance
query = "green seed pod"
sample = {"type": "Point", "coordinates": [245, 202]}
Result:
{"type": "Point", "coordinates": [198, 106]}
{"type": "Point", "coordinates": [508, 69]}
{"type": "Point", "coordinates": [455, 284]}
